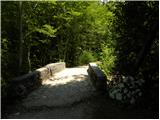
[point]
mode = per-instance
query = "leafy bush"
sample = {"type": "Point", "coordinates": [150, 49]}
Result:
{"type": "Point", "coordinates": [86, 57]}
{"type": "Point", "coordinates": [108, 59]}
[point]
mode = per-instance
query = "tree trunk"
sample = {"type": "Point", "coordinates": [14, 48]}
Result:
{"type": "Point", "coordinates": [65, 50]}
{"type": "Point", "coordinates": [146, 48]}
{"type": "Point", "coordinates": [20, 38]}
{"type": "Point", "coordinates": [29, 60]}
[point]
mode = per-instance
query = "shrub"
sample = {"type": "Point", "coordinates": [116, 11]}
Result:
{"type": "Point", "coordinates": [86, 57]}
{"type": "Point", "coordinates": [108, 59]}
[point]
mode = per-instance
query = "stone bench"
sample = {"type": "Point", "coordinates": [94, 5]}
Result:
{"type": "Point", "coordinates": [97, 77]}
{"type": "Point", "coordinates": [22, 85]}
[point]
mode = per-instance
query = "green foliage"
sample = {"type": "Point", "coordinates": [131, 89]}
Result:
{"type": "Point", "coordinates": [117, 33]}
{"type": "Point", "coordinates": [86, 57]}
{"type": "Point", "coordinates": [136, 26]}
{"type": "Point", "coordinates": [108, 59]}
{"type": "Point", "coordinates": [47, 30]}
{"type": "Point", "coordinates": [136, 33]}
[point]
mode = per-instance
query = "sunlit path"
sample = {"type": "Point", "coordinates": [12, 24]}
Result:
{"type": "Point", "coordinates": [70, 94]}
{"type": "Point", "coordinates": [80, 59]}
{"type": "Point", "coordinates": [66, 87]}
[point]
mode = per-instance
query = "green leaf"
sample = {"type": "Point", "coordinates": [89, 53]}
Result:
{"type": "Point", "coordinates": [47, 30]}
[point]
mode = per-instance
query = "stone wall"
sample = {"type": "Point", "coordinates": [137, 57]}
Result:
{"type": "Point", "coordinates": [97, 77]}
{"type": "Point", "coordinates": [22, 85]}
{"type": "Point", "coordinates": [55, 67]}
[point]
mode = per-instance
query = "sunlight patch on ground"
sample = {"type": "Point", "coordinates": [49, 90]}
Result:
{"type": "Point", "coordinates": [67, 75]}
{"type": "Point", "coordinates": [64, 88]}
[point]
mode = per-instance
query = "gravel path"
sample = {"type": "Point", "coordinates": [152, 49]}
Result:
{"type": "Point", "coordinates": [66, 87]}
{"type": "Point", "coordinates": [70, 94]}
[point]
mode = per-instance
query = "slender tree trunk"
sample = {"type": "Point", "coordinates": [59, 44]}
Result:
{"type": "Point", "coordinates": [65, 50]}
{"type": "Point", "coordinates": [29, 60]}
{"type": "Point", "coordinates": [20, 38]}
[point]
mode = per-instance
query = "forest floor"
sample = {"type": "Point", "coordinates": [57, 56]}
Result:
{"type": "Point", "coordinates": [70, 94]}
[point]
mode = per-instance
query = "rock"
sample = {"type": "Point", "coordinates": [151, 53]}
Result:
{"type": "Point", "coordinates": [140, 93]}
{"type": "Point", "coordinates": [131, 87]}
{"type": "Point", "coordinates": [119, 96]}
{"type": "Point", "coordinates": [123, 77]}
{"type": "Point", "coordinates": [132, 101]}
{"type": "Point", "coordinates": [139, 83]}
{"type": "Point", "coordinates": [51, 79]}
{"type": "Point", "coordinates": [131, 78]}
{"type": "Point", "coordinates": [18, 113]}
{"type": "Point", "coordinates": [125, 80]}
{"type": "Point", "coordinates": [111, 95]}
{"type": "Point", "coordinates": [114, 91]}
{"type": "Point", "coordinates": [124, 97]}
{"type": "Point", "coordinates": [129, 95]}
{"type": "Point", "coordinates": [125, 90]}
{"type": "Point", "coordinates": [44, 96]}
{"type": "Point", "coordinates": [133, 92]}
{"type": "Point", "coordinates": [141, 80]}
{"type": "Point", "coordinates": [137, 90]}
{"type": "Point", "coordinates": [121, 85]}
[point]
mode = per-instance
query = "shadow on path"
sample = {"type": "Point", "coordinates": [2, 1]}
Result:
{"type": "Point", "coordinates": [70, 94]}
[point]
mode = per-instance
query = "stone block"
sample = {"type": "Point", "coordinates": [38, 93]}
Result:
{"type": "Point", "coordinates": [22, 85]}
{"type": "Point", "coordinates": [43, 73]}
{"type": "Point", "coordinates": [55, 67]}
{"type": "Point", "coordinates": [97, 77]}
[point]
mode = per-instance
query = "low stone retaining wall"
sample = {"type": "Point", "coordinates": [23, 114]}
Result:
{"type": "Point", "coordinates": [22, 85]}
{"type": "Point", "coordinates": [97, 77]}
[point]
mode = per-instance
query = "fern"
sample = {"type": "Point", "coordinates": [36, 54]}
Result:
{"type": "Point", "coordinates": [47, 30]}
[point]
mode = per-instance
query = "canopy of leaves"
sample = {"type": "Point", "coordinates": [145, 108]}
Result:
{"type": "Point", "coordinates": [123, 36]}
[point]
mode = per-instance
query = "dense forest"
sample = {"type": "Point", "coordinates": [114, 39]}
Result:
{"type": "Point", "coordinates": [122, 36]}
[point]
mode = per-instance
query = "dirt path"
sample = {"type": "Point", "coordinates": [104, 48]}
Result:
{"type": "Point", "coordinates": [66, 87]}
{"type": "Point", "coordinates": [70, 94]}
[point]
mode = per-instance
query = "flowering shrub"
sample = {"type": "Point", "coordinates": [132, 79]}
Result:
{"type": "Point", "coordinates": [127, 89]}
